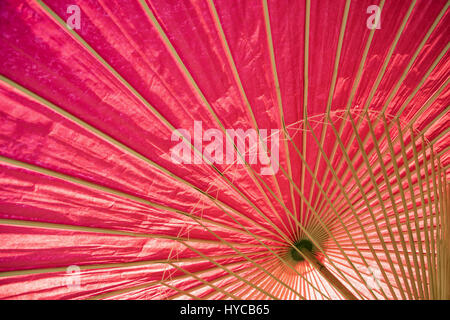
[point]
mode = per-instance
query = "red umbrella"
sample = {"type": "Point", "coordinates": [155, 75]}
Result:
{"type": "Point", "coordinates": [224, 149]}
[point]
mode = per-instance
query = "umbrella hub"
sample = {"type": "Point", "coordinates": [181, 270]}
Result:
{"type": "Point", "coordinates": [301, 245]}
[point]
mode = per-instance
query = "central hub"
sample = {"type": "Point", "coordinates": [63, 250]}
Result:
{"type": "Point", "coordinates": [303, 244]}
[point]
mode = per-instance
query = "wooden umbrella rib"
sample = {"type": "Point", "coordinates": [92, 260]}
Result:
{"type": "Point", "coordinates": [438, 208]}
{"type": "Point", "coordinates": [308, 203]}
{"type": "Point", "coordinates": [237, 78]}
{"type": "Point", "coordinates": [358, 182]}
{"type": "Point", "coordinates": [446, 239]}
{"type": "Point", "coordinates": [424, 213]}
{"type": "Point", "coordinates": [255, 278]}
{"type": "Point", "coordinates": [206, 282]}
{"type": "Point", "coordinates": [441, 153]}
{"type": "Point", "coordinates": [411, 123]}
{"type": "Point", "coordinates": [345, 196]}
{"type": "Point", "coordinates": [73, 34]}
{"type": "Point", "coordinates": [439, 136]}
{"type": "Point", "coordinates": [383, 208]}
{"type": "Point", "coordinates": [442, 252]}
{"type": "Point", "coordinates": [152, 283]}
{"type": "Point", "coordinates": [91, 267]}
{"type": "Point", "coordinates": [231, 272]}
{"type": "Point", "coordinates": [394, 207]}
{"type": "Point", "coordinates": [422, 81]}
{"type": "Point", "coordinates": [362, 63]}
{"type": "Point", "coordinates": [302, 228]}
{"type": "Point", "coordinates": [354, 87]}
{"type": "Point", "coordinates": [438, 18]}
{"type": "Point", "coordinates": [279, 101]}
{"type": "Point", "coordinates": [428, 240]}
{"type": "Point", "coordinates": [413, 58]}
{"type": "Point", "coordinates": [243, 289]}
{"type": "Point", "coordinates": [222, 206]}
{"type": "Point", "coordinates": [183, 292]}
{"type": "Point", "coordinates": [408, 173]}
{"type": "Point", "coordinates": [180, 63]}
{"type": "Point", "coordinates": [432, 223]}
{"type": "Point", "coordinates": [405, 206]}
{"type": "Point", "coordinates": [48, 225]}
{"type": "Point", "coordinates": [97, 187]}
{"type": "Point", "coordinates": [388, 56]}
{"type": "Point", "coordinates": [105, 189]}
{"type": "Point", "coordinates": [305, 91]}
{"type": "Point", "coordinates": [330, 95]}
{"type": "Point", "coordinates": [429, 102]}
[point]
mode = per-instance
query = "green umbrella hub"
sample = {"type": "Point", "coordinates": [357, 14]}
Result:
{"type": "Point", "coordinates": [301, 245]}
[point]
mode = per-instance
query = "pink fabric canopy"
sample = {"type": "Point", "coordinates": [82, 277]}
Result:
{"type": "Point", "coordinates": [92, 204]}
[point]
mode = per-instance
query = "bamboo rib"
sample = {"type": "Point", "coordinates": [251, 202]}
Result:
{"type": "Point", "coordinates": [196, 219]}
{"type": "Point", "coordinates": [279, 102]}
{"type": "Point", "coordinates": [237, 78]}
{"type": "Point", "coordinates": [416, 217]}
{"type": "Point", "coordinates": [175, 55]}
{"type": "Point", "coordinates": [152, 283]}
{"type": "Point", "coordinates": [317, 216]}
{"type": "Point", "coordinates": [330, 94]}
{"type": "Point", "coordinates": [207, 283]}
{"type": "Point", "coordinates": [405, 206]}
{"type": "Point", "coordinates": [392, 237]}
{"type": "Point", "coordinates": [433, 293]}
{"type": "Point", "coordinates": [358, 182]}
{"type": "Point", "coordinates": [399, 113]}
{"type": "Point", "coordinates": [272, 57]}
{"type": "Point", "coordinates": [345, 195]}
{"type": "Point", "coordinates": [224, 207]}
{"type": "Point", "coordinates": [412, 60]}
{"type": "Point", "coordinates": [329, 276]}
{"type": "Point", "coordinates": [255, 278]}
{"type": "Point", "coordinates": [442, 253]}
{"type": "Point", "coordinates": [396, 213]}
{"type": "Point", "coordinates": [72, 33]}
{"type": "Point", "coordinates": [396, 138]}
{"type": "Point", "coordinates": [90, 267]}
{"type": "Point", "coordinates": [427, 233]}
{"type": "Point", "coordinates": [305, 90]}
{"type": "Point", "coordinates": [88, 184]}
{"type": "Point", "coordinates": [418, 169]}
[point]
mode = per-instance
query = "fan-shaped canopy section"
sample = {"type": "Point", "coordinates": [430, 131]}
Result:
{"type": "Point", "coordinates": [224, 149]}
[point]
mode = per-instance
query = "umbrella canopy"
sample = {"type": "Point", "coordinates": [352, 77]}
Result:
{"type": "Point", "coordinates": [224, 149]}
